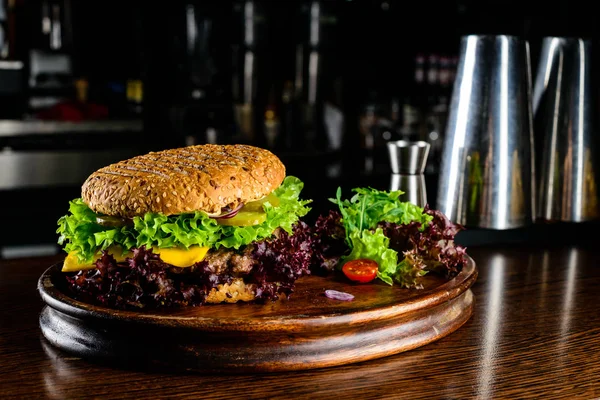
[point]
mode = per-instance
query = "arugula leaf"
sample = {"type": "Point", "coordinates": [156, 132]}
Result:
{"type": "Point", "coordinates": [80, 233]}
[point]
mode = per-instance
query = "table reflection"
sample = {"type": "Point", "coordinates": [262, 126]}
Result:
{"type": "Point", "coordinates": [567, 305]}
{"type": "Point", "coordinates": [62, 372]}
{"type": "Point", "coordinates": [544, 278]}
{"type": "Point", "coordinates": [491, 329]}
{"type": "Point", "coordinates": [567, 308]}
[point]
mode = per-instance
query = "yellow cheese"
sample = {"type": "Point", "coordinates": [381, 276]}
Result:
{"type": "Point", "coordinates": [182, 257]}
{"type": "Point", "coordinates": [174, 256]}
{"type": "Point", "coordinates": [72, 263]}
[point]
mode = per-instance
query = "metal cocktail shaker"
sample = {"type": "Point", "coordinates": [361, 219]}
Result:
{"type": "Point", "coordinates": [487, 172]}
{"type": "Point", "coordinates": [563, 107]}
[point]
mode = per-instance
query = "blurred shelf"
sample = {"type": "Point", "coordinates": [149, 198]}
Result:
{"type": "Point", "coordinates": [39, 127]}
{"type": "Point", "coordinates": [35, 136]}
{"type": "Point", "coordinates": [11, 65]}
{"type": "Point", "coordinates": [43, 169]}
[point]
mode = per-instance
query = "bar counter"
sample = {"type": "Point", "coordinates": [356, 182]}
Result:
{"type": "Point", "coordinates": [535, 333]}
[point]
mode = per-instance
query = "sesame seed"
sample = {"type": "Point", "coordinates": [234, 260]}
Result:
{"type": "Point", "coordinates": [164, 194]}
{"type": "Point", "coordinates": [168, 204]}
{"type": "Point", "coordinates": [158, 199]}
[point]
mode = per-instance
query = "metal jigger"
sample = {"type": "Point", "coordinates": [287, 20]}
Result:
{"type": "Point", "coordinates": [563, 107]}
{"type": "Point", "coordinates": [408, 161]}
{"type": "Point", "coordinates": [487, 174]}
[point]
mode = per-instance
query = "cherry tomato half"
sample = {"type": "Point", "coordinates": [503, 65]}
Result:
{"type": "Point", "coordinates": [362, 270]}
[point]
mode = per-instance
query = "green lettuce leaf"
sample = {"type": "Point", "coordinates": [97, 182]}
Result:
{"type": "Point", "coordinates": [374, 245]}
{"type": "Point", "coordinates": [79, 232]}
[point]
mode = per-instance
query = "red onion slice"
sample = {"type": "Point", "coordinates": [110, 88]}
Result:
{"type": "Point", "coordinates": [229, 214]}
{"type": "Point", "coordinates": [335, 295]}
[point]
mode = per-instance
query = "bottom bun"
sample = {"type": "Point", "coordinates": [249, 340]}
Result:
{"type": "Point", "coordinates": [232, 292]}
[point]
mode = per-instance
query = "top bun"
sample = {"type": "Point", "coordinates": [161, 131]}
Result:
{"type": "Point", "coordinates": [196, 178]}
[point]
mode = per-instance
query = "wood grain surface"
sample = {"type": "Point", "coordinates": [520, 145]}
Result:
{"type": "Point", "coordinates": [306, 331]}
{"type": "Point", "coordinates": [535, 333]}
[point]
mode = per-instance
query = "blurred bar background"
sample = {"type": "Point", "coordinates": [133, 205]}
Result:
{"type": "Point", "coordinates": [323, 84]}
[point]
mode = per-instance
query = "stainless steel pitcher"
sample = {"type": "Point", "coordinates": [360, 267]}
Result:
{"type": "Point", "coordinates": [487, 174]}
{"type": "Point", "coordinates": [563, 107]}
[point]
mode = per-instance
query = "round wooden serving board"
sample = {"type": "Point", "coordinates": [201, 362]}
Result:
{"type": "Point", "coordinates": [306, 331]}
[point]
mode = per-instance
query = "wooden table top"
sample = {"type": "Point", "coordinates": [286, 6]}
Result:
{"type": "Point", "coordinates": [535, 333]}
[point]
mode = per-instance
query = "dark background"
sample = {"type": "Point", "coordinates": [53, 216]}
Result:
{"type": "Point", "coordinates": [367, 50]}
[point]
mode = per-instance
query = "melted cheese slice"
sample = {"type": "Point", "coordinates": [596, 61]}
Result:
{"type": "Point", "coordinates": [182, 257]}
{"type": "Point", "coordinates": [178, 257]}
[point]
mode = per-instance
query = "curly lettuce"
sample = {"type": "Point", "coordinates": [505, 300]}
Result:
{"type": "Point", "coordinates": [79, 232]}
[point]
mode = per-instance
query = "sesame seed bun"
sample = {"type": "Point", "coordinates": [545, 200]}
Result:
{"type": "Point", "coordinates": [232, 292]}
{"type": "Point", "coordinates": [195, 178]}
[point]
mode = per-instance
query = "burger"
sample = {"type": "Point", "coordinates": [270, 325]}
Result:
{"type": "Point", "coordinates": [196, 225]}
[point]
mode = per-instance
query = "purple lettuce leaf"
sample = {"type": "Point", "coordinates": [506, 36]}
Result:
{"type": "Point", "coordinates": [328, 242]}
{"type": "Point", "coordinates": [281, 261]}
{"type": "Point", "coordinates": [424, 249]}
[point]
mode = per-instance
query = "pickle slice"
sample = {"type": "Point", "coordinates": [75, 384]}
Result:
{"type": "Point", "coordinates": [244, 218]}
{"type": "Point", "coordinates": [258, 204]}
{"type": "Point", "coordinates": [112, 222]}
